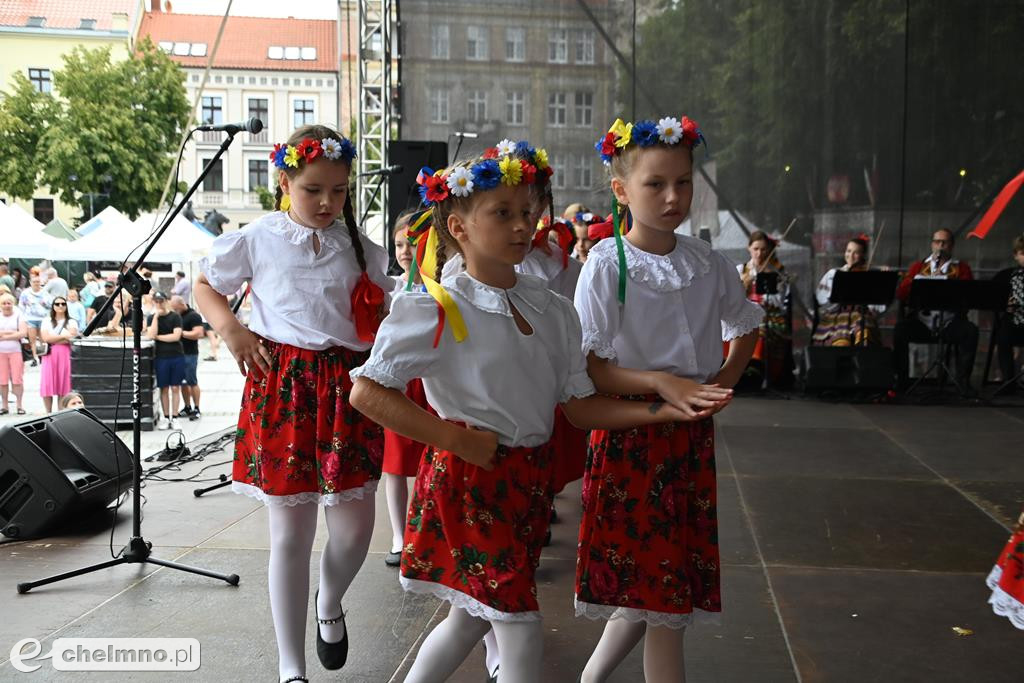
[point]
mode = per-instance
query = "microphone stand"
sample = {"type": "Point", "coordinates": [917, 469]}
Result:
{"type": "Point", "coordinates": [138, 550]}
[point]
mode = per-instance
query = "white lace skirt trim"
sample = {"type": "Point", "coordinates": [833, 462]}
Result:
{"type": "Point", "coordinates": [367, 489]}
{"type": "Point", "coordinates": [459, 599]}
{"type": "Point", "coordinates": [651, 617]}
{"type": "Point", "coordinates": [1004, 604]}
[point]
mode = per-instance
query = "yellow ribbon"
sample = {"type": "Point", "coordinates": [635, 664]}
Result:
{"type": "Point", "coordinates": [439, 293]}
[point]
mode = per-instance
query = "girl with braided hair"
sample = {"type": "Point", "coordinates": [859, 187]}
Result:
{"type": "Point", "coordinates": [318, 288]}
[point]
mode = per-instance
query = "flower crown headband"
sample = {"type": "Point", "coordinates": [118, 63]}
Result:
{"type": "Point", "coordinates": [310, 149]}
{"type": "Point", "coordinates": [508, 163]}
{"type": "Point", "coordinates": [669, 131]}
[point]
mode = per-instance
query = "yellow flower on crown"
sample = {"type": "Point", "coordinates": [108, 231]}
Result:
{"type": "Point", "coordinates": [623, 130]}
{"type": "Point", "coordinates": [291, 157]}
{"type": "Point", "coordinates": [541, 157]}
{"type": "Point", "coordinates": [511, 171]}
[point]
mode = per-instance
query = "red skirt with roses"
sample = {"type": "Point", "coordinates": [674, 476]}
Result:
{"type": "Point", "coordinates": [299, 440]}
{"type": "Point", "coordinates": [401, 454]}
{"type": "Point", "coordinates": [474, 537]}
{"type": "Point", "coordinates": [570, 444]}
{"type": "Point", "coordinates": [648, 548]}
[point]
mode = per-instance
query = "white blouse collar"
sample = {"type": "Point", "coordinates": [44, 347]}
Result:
{"type": "Point", "coordinates": [529, 289]}
{"type": "Point", "coordinates": [690, 259]}
{"type": "Point", "coordinates": [334, 236]}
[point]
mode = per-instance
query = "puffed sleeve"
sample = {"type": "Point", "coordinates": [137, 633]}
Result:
{"type": "Point", "coordinates": [578, 383]}
{"type": "Point", "coordinates": [404, 348]}
{"type": "Point", "coordinates": [739, 315]}
{"type": "Point", "coordinates": [597, 304]}
{"type": "Point", "coordinates": [229, 264]}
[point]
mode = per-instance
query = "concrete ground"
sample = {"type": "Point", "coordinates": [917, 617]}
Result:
{"type": "Point", "coordinates": [854, 540]}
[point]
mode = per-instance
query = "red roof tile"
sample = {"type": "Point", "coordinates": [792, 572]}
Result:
{"type": "Point", "coordinates": [246, 40]}
{"type": "Point", "coordinates": [61, 14]}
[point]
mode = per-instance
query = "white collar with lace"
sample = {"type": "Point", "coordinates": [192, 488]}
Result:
{"type": "Point", "coordinates": [529, 290]}
{"type": "Point", "coordinates": [334, 236]}
{"type": "Point", "coordinates": [690, 259]}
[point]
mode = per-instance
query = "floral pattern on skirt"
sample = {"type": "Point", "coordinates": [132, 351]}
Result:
{"type": "Point", "coordinates": [474, 537]}
{"type": "Point", "coordinates": [648, 548]}
{"type": "Point", "coordinates": [1006, 580]}
{"type": "Point", "coordinates": [299, 440]}
{"type": "Point", "coordinates": [402, 454]}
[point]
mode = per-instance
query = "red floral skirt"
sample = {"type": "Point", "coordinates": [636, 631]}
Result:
{"type": "Point", "coordinates": [1007, 579]}
{"type": "Point", "coordinates": [648, 547]}
{"type": "Point", "coordinates": [402, 455]}
{"type": "Point", "coordinates": [299, 440]}
{"type": "Point", "coordinates": [570, 447]}
{"type": "Point", "coordinates": [474, 537]}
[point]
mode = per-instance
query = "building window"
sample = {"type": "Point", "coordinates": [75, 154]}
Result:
{"type": "Point", "coordinates": [558, 179]}
{"type": "Point", "coordinates": [214, 180]}
{"type": "Point", "coordinates": [585, 47]}
{"type": "Point", "coordinates": [288, 81]}
{"type": "Point", "coordinates": [558, 46]}
{"type": "Point", "coordinates": [439, 106]}
{"type": "Point", "coordinates": [258, 174]}
{"type": "Point", "coordinates": [476, 43]}
{"type": "Point", "coordinates": [230, 79]}
{"type": "Point", "coordinates": [213, 111]}
{"type": "Point", "coordinates": [515, 108]}
{"type": "Point", "coordinates": [581, 172]}
{"type": "Point", "coordinates": [303, 110]}
{"type": "Point", "coordinates": [42, 209]}
{"type": "Point", "coordinates": [258, 108]}
{"type": "Point", "coordinates": [87, 24]}
{"type": "Point", "coordinates": [557, 109]}
{"type": "Point", "coordinates": [36, 22]}
{"type": "Point", "coordinates": [584, 109]}
{"type": "Point", "coordinates": [439, 41]}
{"type": "Point", "coordinates": [41, 79]}
{"type": "Point", "coordinates": [515, 44]}
{"type": "Point", "coordinates": [476, 105]}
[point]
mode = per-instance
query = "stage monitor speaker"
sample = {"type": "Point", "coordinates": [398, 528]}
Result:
{"type": "Point", "coordinates": [403, 193]}
{"type": "Point", "coordinates": [56, 468]}
{"type": "Point", "coordinates": [847, 368]}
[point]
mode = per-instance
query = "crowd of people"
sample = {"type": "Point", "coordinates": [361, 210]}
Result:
{"type": "Point", "coordinates": [41, 315]}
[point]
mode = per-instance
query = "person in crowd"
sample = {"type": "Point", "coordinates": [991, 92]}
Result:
{"type": "Point", "coordinates": [5, 277]}
{"type": "Point", "coordinates": [582, 219]}
{"type": "Point", "coordinates": [57, 330]}
{"type": "Point", "coordinates": [930, 327]}
{"type": "Point", "coordinates": [148, 305]}
{"type": "Point", "coordinates": [94, 287]}
{"type": "Point", "coordinates": [1010, 328]}
{"type": "Point", "coordinates": [191, 332]}
{"type": "Point", "coordinates": [75, 308]}
{"type": "Point", "coordinates": [775, 344]}
{"type": "Point", "coordinates": [840, 325]}
{"type": "Point", "coordinates": [72, 401]}
{"type": "Point", "coordinates": [35, 305]}
{"type": "Point", "coordinates": [13, 328]}
{"type": "Point", "coordinates": [55, 284]}
{"type": "Point", "coordinates": [164, 327]}
{"type": "Point", "coordinates": [301, 445]}
{"type": "Point", "coordinates": [120, 323]}
{"type": "Point", "coordinates": [20, 282]}
{"type": "Point", "coordinates": [97, 304]}
{"type": "Point", "coordinates": [182, 287]}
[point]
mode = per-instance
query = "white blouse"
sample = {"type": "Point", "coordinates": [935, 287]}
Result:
{"type": "Point", "coordinates": [298, 297]}
{"type": "Point", "coordinates": [549, 267]}
{"type": "Point", "coordinates": [679, 308]}
{"type": "Point", "coordinates": [498, 378]}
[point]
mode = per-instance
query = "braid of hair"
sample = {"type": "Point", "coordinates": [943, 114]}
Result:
{"type": "Point", "coordinates": [278, 196]}
{"type": "Point", "coordinates": [353, 232]}
{"type": "Point", "coordinates": [551, 205]}
{"type": "Point", "coordinates": [439, 255]}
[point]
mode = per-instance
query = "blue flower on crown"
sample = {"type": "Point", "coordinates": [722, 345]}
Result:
{"type": "Point", "coordinates": [645, 133]}
{"type": "Point", "coordinates": [486, 174]}
{"type": "Point", "coordinates": [523, 149]}
{"type": "Point", "coordinates": [279, 156]}
{"type": "Point", "coordinates": [348, 150]}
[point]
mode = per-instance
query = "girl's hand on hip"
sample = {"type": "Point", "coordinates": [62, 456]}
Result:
{"type": "Point", "coordinates": [478, 447]}
{"type": "Point", "coordinates": [248, 350]}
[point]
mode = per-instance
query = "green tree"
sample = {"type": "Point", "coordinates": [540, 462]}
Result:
{"type": "Point", "coordinates": [24, 115]}
{"type": "Point", "coordinates": [113, 128]}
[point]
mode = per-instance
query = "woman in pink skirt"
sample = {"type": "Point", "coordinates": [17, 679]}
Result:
{"type": "Point", "coordinates": [57, 330]}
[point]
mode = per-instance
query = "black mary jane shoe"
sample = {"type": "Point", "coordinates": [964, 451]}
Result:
{"type": "Point", "coordinates": [393, 559]}
{"type": "Point", "coordinates": [493, 677]}
{"type": "Point", "coordinates": [295, 679]}
{"type": "Point", "coordinates": [332, 655]}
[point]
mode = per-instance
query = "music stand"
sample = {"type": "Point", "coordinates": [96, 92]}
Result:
{"type": "Point", "coordinates": [957, 297]}
{"type": "Point", "coordinates": [863, 288]}
{"type": "Point", "coordinates": [766, 283]}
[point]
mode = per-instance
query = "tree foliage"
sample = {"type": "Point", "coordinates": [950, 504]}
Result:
{"type": "Point", "coordinates": [112, 128]}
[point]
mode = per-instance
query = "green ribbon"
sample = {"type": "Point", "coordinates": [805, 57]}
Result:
{"type": "Point", "coordinates": [412, 275]}
{"type": "Point", "coordinates": [617, 231]}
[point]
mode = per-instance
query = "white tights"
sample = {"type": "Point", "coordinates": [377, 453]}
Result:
{"type": "Point", "coordinates": [292, 529]}
{"type": "Point", "coordinates": [397, 489]}
{"type": "Point", "coordinates": [448, 645]}
{"type": "Point", "coordinates": [663, 652]}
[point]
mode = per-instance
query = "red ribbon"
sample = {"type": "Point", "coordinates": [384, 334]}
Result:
{"type": "Point", "coordinates": [600, 231]}
{"type": "Point", "coordinates": [564, 235]}
{"type": "Point", "coordinates": [994, 211]}
{"type": "Point", "coordinates": [367, 299]}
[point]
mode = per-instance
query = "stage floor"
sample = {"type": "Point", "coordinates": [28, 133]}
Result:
{"type": "Point", "coordinates": [853, 540]}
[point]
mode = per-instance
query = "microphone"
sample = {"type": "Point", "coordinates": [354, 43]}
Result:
{"type": "Point", "coordinates": [253, 125]}
{"type": "Point", "coordinates": [386, 171]}
{"type": "Point", "coordinates": [460, 134]}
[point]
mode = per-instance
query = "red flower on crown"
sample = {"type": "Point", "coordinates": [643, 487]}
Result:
{"type": "Point", "coordinates": [608, 144]}
{"type": "Point", "coordinates": [309, 149]}
{"type": "Point", "coordinates": [491, 153]}
{"type": "Point", "coordinates": [437, 188]}
{"type": "Point", "coordinates": [690, 131]}
{"type": "Point", "coordinates": [529, 172]}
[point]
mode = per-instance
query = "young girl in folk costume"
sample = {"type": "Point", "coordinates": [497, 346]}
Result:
{"type": "Point", "coordinates": [773, 349]}
{"type": "Point", "coordinates": [318, 291]}
{"type": "Point", "coordinates": [497, 351]}
{"type": "Point", "coordinates": [1007, 578]}
{"type": "Point", "coordinates": [845, 325]}
{"type": "Point", "coordinates": [655, 307]}
{"type": "Point", "coordinates": [402, 455]}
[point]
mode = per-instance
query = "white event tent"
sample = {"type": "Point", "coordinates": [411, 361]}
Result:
{"type": "Point", "coordinates": [110, 235]}
{"type": "Point", "coordinates": [22, 236]}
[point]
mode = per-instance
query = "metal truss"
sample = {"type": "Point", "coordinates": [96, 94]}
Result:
{"type": "Point", "coordinates": [373, 127]}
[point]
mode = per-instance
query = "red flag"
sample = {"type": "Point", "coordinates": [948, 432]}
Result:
{"type": "Point", "coordinates": [994, 211]}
